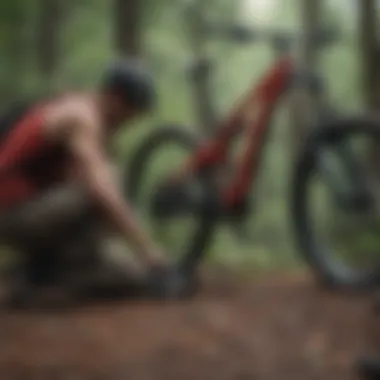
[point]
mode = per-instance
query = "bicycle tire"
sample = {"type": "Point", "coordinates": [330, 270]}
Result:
{"type": "Point", "coordinates": [306, 165]}
{"type": "Point", "coordinates": [194, 253]}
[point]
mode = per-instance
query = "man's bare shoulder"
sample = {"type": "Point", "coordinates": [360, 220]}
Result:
{"type": "Point", "coordinates": [77, 111]}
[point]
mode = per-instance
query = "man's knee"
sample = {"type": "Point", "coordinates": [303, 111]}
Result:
{"type": "Point", "coordinates": [60, 204]}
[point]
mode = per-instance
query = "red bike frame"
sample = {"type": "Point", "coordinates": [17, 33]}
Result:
{"type": "Point", "coordinates": [252, 114]}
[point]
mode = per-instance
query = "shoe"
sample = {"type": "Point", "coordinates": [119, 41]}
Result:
{"type": "Point", "coordinates": [166, 283]}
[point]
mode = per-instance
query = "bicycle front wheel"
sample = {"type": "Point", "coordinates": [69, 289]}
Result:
{"type": "Point", "coordinates": [336, 203]}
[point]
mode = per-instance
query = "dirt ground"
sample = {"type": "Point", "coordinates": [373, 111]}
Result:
{"type": "Point", "coordinates": [273, 328]}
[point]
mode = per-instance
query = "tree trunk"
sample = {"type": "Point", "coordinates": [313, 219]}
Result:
{"type": "Point", "coordinates": [370, 53]}
{"type": "Point", "coordinates": [16, 63]}
{"type": "Point", "coordinates": [311, 11]}
{"type": "Point", "coordinates": [303, 105]}
{"type": "Point", "coordinates": [201, 70]}
{"type": "Point", "coordinates": [127, 27]}
{"type": "Point", "coordinates": [14, 56]}
{"type": "Point", "coordinates": [48, 40]}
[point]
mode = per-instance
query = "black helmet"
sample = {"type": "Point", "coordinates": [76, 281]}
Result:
{"type": "Point", "coordinates": [128, 79]}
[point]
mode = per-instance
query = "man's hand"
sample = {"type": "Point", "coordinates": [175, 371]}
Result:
{"type": "Point", "coordinates": [166, 282]}
{"type": "Point", "coordinates": [157, 259]}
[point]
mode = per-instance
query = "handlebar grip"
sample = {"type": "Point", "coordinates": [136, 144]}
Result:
{"type": "Point", "coordinates": [237, 33]}
{"type": "Point", "coordinates": [242, 34]}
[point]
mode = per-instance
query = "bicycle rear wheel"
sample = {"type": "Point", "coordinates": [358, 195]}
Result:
{"type": "Point", "coordinates": [181, 216]}
{"type": "Point", "coordinates": [345, 252]}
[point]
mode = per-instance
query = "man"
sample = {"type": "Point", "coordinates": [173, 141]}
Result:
{"type": "Point", "coordinates": [57, 186]}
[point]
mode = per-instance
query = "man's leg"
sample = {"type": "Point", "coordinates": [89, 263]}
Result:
{"type": "Point", "coordinates": [38, 229]}
{"type": "Point", "coordinates": [99, 264]}
{"type": "Point", "coordinates": [61, 235]}
{"type": "Point", "coordinates": [45, 220]}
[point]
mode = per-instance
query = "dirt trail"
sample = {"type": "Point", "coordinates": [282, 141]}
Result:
{"type": "Point", "coordinates": [271, 329]}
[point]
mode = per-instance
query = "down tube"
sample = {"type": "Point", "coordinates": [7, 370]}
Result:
{"type": "Point", "coordinates": [256, 134]}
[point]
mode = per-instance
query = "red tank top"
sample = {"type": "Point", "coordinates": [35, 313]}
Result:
{"type": "Point", "coordinates": [29, 163]}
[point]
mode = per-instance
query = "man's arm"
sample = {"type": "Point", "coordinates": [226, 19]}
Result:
{"type": "Point", "coordinates": [96, 174]}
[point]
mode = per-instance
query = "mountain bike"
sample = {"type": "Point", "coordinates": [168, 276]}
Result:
{"type": "Point", "coordinates": [203, 186]}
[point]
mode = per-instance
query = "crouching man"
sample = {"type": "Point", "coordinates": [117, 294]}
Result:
{"type": "Point", "coordinates": [58, 191]}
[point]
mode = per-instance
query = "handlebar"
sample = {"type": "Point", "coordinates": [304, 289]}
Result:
{"type": "Point", "coordinates": [279, 39]}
